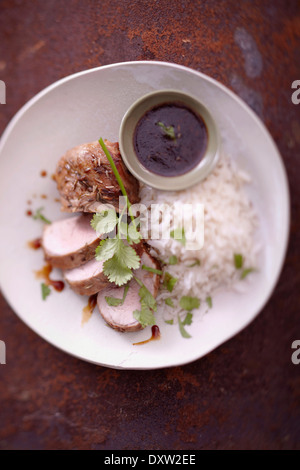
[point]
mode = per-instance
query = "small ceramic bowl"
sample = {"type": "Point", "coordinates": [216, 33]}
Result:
{"type": "Point", "coordinates": [126, 135]}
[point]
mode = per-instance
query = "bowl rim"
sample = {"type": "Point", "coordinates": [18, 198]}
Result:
{"type": "Point", "coordinates": [168, 183]}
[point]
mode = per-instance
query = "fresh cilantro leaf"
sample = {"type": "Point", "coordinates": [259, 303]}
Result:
{"type": "Point", "coordinates": [182, 330]}
{"type": "Point", "coordinates": [144, 316]}
{"type": "Point", "coordinates": [197, 262]}
{"type": "Point", "coordinates": [152, 270]}
{"type": "Point", "coordinates": [117, 272]}
{"type": "Point", "coordinates": [133, 234]}
{"type": "Point", "coordinates": [39, 216]}
{"type": "Point", "coordinates": [127, 256]}
{"type": "Point", "coordinates": [119, 258]}
{"type": "Point", "coordinates": [107, 248]}
{"type": "Point", "coordinates": [123, 228]}
{"type": "Point", "coordinates": [105, 222]}
{"type": "Point", "coordinates": [246, 272]}
{"type": "Point", "coordinates": [188, 319]}
{"type": "Point", "coordinates": [46, 291]}
{"type": "Point", "coordinates": [238, 260]}
{"type": "Point", "coordinates": [169, 302]}
{"type": "Point", "coordinates": [114, 247]}
{"type": "Point", "coordinates": [209, 301]}
{"type": "Point", "coordinates": [189, 303]}
{"type": "Point", "coordinates": [169, 282]}
{"type": "Point", "coordinates": [169, 322]}
{"type": "Point", "coordinates": [115, 302]}
{"type": "Point", "coordinates": [147, 298]}
{"type": "Point", "coordinates": [169, 131]}
{"type": "Point", "coordinates": [173, 260]}
{"type": "Point", "coordinates": [178, 235]}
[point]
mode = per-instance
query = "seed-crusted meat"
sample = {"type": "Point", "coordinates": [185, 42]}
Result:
{"type": "Point", "coordinates": [85, 179]}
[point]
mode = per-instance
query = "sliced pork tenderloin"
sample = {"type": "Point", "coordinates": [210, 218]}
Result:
{"type": "Point", "coordinates": [121, 317]}
{"type": "Point", "coordinates": [70, 243]}
{"type": "Point", "coordinates": [85, 179]}
{"type": "Point", "coordinates": [87, 279]}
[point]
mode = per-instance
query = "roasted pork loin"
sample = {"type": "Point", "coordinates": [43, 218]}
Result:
{"type": "Point", "coordinates": [70, 243]}
{"type": "Point", "coordinates": [121, 318]}
{"type": "Point", "coordinates": [85, 179]}
{"type": "Point", "coordinates": [87, 279]}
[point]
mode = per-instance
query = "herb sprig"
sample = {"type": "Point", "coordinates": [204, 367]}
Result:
{"type": "Point", "coordinates": [119, 257]}
{"type": "Point", "coordinates": [115, 302]}
{"type": "Point", "coordinates": [46, 291]}
{"type": "Point", "coordinates": [39, 216]}
{"type": "Point", "coordinates": [169, 131]}
{"type": "Point", "coordinates": [239, 265]}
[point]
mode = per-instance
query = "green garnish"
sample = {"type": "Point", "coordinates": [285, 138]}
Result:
{"type": "Point", "coordinates": [104, 222]}
{"type": "Point", "coordinates": [239, 263]}
{"type": "Point", "coordinates": [238, 260]}
{"type": "Point", "coordinates": [117, 175]}
{"type": "Point", "coordinates": [173, 260]}
{"type": "Point", "coordinates": [152, 270]}
{"type": "Point", "coordinates": [209, 301]}
{"type": "Point", "coordinates": [46, 291]}
{"type": "Point", "coordinates": [197, 262]}
{"type": "Point", "coordinates": [169, 302]}
{"type": "Point", "coordinates": [169, 322]}
{"type": "Point", "coordinates": [169, 131]}
{"type": "Point", "coordinates": [187, 321]}
{"type": "Point", "coordinates": [118, 256]}
{"type": "Point", "coordinates": [39, 216]}
{"type": "Point", "coordinates": [114, 302]}
{"type": "Point", "coordinates": [145, 316]}
{"type": "Point", "coordinates": [189, 303]}
{"type": "Point", "coordinates": [246, 272]}
{"type": "Point", "coordinates": [119, 260]}
{"type": "Point", "coordinates": [178, 235]}
{"type": "Point", "coordinates": [169, 282]}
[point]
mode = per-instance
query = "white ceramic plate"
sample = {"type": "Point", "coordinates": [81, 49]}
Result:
{"type": "Point", "coordinates": [79, 109]}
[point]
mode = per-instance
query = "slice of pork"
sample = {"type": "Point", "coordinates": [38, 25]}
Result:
{"type": "Point", "coordinates": [121, 318]}
{"type": "Point", "coordinates": [69, 243]}
{"type": "Point", "coordinates": [85, 179]}
{"type": "Point", "coordinates": [87, 279]}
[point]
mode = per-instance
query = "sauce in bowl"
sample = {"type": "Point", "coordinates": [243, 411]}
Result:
{"type": "Point", "coordinates": [170, 139]}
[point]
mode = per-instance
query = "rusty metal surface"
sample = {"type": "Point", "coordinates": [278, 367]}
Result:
{"type": "Point", "coordinates": [246, 394]}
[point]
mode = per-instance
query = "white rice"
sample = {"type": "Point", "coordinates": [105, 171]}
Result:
{"type": "Point", "coordinates": [230, 223]}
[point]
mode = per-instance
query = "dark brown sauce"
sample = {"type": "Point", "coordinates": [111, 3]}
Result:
{"type": "Point", "coordinates": [89, 309]}
{"type": "Point", "coordinates": [44, 273]}
{"type": "Point", "coordinates": [163, 154]}
{"type": "Point", "coordinates": [35, 244]}
{"type": "Point", "coordinates": [44, 173]}
{"type": "Point", "coordinates": [155, 336]}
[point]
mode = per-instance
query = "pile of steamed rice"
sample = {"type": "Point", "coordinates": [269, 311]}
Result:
{"type": "Point", "coordinates": [230, 222]}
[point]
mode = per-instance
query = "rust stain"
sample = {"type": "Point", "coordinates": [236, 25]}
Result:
{"type": "Point", "coordinates": [184, 379]}
{"type": "Point", "coordinates": [31, 50]}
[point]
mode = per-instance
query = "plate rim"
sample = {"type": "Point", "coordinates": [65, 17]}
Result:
{"type": "Point", "coordinates": [287, 204]}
